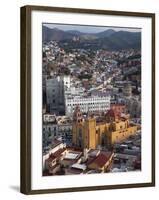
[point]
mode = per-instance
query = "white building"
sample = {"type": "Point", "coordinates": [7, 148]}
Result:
{"type": "Point", "coordinates": [73, 91]}
{"type": "Point", "coordinates": [49, 118]}
{"type": "Point", "coordinates": [55, 93]}
{"type": "Point", "coordinates": [91, 104]}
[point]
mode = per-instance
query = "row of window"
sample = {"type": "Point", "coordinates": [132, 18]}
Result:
{"type": "Point", "coordinates": [93, 99]}
{"type": "Point", "coordinates": [49, 128]}
{"type": "Point", "coordinates": [54, 129]}
{"type": "Point", "coordinates": [49, 135]}
{"type": "Point", "coordinates": [89, 103]}
{"type": "Point", "coordinates": [91, 109]}
{"type": "Point", "coordinates": [93, 103]}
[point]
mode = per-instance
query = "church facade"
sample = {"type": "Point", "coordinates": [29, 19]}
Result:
{"type": "Point", "coordinates": [88, 132]}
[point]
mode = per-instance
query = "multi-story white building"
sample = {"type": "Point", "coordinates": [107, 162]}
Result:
{"type": "Point", "coordinates": [90, 103]}
{"type": "Point", "coordinates": [55, 93]}
{"type": "Point", "coordinates": [74, 92]}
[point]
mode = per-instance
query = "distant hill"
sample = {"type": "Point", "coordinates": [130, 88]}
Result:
{"type": "Point", "coordinates": [83, 36]}
{"type": "Point", "coordinates": [74, 32]}
{"type": "Point", "coordinates": [121, 40]}
{"type": "Point", "coordinates": [105, 33]}
{"type": "Point", "coordinates": [55, 34]}
{"type": "Point", "coordinates": [109, 39]}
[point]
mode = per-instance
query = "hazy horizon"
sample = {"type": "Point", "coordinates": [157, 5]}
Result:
{"type": "Point", "coordinates": [89, 28]}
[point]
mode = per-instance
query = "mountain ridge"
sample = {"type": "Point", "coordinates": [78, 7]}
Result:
{"type": "Point", "coordinates": [109, 39]}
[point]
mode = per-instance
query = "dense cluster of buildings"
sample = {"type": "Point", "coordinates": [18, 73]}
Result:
{"type": "Point", "coordinates": [71, 161]}
{"type": "Point", "coordinates": [91, 110]}
{"type": "Point", "coordinates": [96, 144]}
{"type": "Point", "coordinates": [62, 97]}
{"type": "Point", "coordinates": [56, 127]}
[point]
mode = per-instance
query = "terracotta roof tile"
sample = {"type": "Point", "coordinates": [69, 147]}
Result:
{"type": "Point", "coordinates": [100, 160]}
{"type": "Point", "coordinates": [55, 155]}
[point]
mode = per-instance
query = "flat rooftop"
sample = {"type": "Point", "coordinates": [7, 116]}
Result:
{"type": "Point", "coordinates": [71, 155]}
{"type": "Point", "coordinates": [79, 166]}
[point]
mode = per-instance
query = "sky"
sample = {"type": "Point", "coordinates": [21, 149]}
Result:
{"type": "Point", "coordinates": [89, 29]}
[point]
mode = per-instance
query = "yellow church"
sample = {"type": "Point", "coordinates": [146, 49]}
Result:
{"type": "Point", "coordinates": [89, 132]}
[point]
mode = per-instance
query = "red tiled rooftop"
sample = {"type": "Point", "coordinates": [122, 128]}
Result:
{"type": "Point", "coordinates": [56, 154]}
{"type": "Point", "coordinates": [51, 158]}
{"type": "Point", "coordinates": [106, 153]}
{"type": "Point", "coordinates": [56, 142]}
{"type": "Point", "coordinates": [113, 113]}
{"type": "Point", "coordinates": [59, 152]}
{"type": "Point", "coordinates": [100, 160]}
